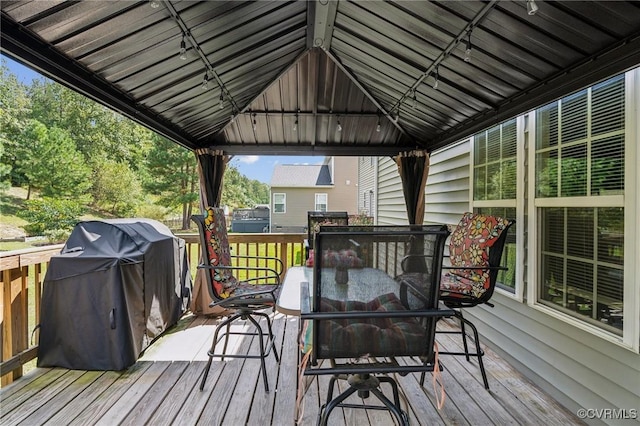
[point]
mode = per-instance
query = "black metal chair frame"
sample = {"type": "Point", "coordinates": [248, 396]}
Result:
{"type": "Point", "coordinates": [495, 257]}
{"type": "Point", "coordinates": [241, 308]}
{"type": "Point", "coordinates": [362, 378]}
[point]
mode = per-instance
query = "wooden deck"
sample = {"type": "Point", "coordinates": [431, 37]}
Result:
{"type": "Point", "coordinates": [162, 389]}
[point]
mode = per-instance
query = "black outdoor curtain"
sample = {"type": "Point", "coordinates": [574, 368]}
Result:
{"type": "Point", "coordinates": [413, 167]}
{"type": "Point", "coordinates": [211, 166]}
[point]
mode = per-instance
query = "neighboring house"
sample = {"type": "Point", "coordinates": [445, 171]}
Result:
{"type": "Point", "coordinates": [568, 312]}
{"type": "Point", "coordinates": [297, 189]}
{"type": "Point", "coordinates": [367, 172]}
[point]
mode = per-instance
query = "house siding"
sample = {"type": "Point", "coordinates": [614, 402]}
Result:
{"type": "Point", "coordinates": [341, 196]}
{"type": "Point", "coordinates": [391, 207]}
{"type": "Point", "coordinates": [367, 185]}
{"type": "Point", "coordinates": [579, 368]}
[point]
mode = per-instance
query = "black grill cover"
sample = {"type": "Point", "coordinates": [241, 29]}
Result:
{"type": "Point", "coordinates": [116, 286]}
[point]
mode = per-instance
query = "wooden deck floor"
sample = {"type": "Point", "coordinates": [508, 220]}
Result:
{"type": "Point", "coordinates": [161, 389]}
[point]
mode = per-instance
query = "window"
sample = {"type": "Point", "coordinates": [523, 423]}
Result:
{"type": "Point", "coordinates": [495, 185]}
{"type": "Point", "coordinates": [279, 202]}
{"type": "Point", "coordinates": [579, 187]}
{"type": "Point", "coordinates": [321, 202]}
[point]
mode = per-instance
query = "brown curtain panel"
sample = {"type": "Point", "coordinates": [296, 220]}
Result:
{"type": "Point", "coordinates": [413, 167]}
{"type": "Point", "coordinates": [211, 167]}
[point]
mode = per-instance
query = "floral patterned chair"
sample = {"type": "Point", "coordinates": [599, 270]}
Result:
{"type": "Point", "coordinates": [244, 299]}
{"type": "Point", "coordinates": [475, 252]}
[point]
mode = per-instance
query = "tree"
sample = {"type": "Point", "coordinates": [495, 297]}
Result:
{"type": "Point", "coordinates": [173, 177]}
{"type": "Point", "coordinates": [116, 188]}
{"type": "Point", "coordinates": [15, 108]}
{"type": "Point", "coordinates": [240, 191]}
{"type": "Point", "coordinates": [51, 163]}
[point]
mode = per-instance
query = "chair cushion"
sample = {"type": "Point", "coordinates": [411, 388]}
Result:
{"type": "Point", "coordinates": [215, 229]}
{"type": "Point", "coordinates": [470, 243]}
{"type": "Point", "coordinates": [352, 338]}
{"type": "Point", "coordinates": [457, 287]}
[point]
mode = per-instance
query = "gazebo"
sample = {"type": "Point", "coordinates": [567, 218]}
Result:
{"type": "Point", "coordinates": [350, 78]}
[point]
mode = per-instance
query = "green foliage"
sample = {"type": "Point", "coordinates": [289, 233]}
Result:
{"type": "Point", "coordinates": [116, 188]}
{"type": "Point", "coordinates": [64, 145]}
{"type": "Point", "coordinates": [5, 169]}
{"type": "Point", "coordinates": [15, 108]}
{"type": "Point", "coordinates": [151, 211]}
{"type": "Point", "coordinates": [47, 214]}
{"type": "Point", "coordinates": [239, 191]}
{"type": "Point", "coordinates": [51, 163]}
{"type": "Point", "coordinates": [172, 176]}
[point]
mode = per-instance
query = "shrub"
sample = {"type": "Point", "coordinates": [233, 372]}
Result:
{"type": "Point", "coordinates": [46, 214]}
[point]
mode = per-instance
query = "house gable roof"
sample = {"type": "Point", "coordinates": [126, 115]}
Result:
{"type": "Point", "coordinates": [300, 176]}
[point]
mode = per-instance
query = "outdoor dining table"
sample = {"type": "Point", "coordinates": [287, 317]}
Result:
{"type": "Point", "coordinates": [364, 284]}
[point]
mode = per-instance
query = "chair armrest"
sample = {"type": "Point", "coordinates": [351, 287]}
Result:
{"type": "Point", "coordinates": [442, 311]}
{"type": "Point", "coordinates": [277, 260]}
{"type": "Point", "coordinates": [490, 268]}
{"type": "Point", "coordinates": [275, 275]}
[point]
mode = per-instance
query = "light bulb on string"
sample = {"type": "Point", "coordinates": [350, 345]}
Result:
{"type": "Point", "coordinates": [467, 52]}
{"type": "Point", "coordinates": [183, 49]}
{"type": "Point", "coordinates": [436, 78]}
{"type": "Point", "coordinates": [205, 81]}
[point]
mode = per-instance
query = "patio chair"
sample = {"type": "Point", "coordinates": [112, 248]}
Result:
{"type": "Point", "coordinates": [363, 323]}
{"type": "Point", "coordinates": [245, 300]}
{"type": "Point", "coordinates": [315, 219]}
{"type": "Point", "coordinates": [475, 253]}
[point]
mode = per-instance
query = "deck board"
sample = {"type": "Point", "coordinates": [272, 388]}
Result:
{"type": "Point", "coordinates": [163, 389]}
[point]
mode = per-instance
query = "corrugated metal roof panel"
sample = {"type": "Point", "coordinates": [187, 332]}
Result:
{"type": "Point", "coordinates": [348, 61]}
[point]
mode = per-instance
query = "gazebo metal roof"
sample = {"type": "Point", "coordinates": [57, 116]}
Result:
{"type": "Point", "coordinates": [289, 72]}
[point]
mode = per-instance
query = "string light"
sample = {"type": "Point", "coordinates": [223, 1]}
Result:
{"type": "Point", "coordinates": [183, 49]}
{"type": "Point", "coordinates": [532, 7]}
{"type": "Point", "coordinates": [154, 4]}
{"type": "Point", "coordinates": [436, 78]}
{"type": "Point", "coordinates": [221, 106]}
{"type": "Point", "coordinates": [339, 126]}
{"type": "Point", "coordinates": [467, 52]}
{"type": "Point", "coordinates": [295, 124]}
{"type": "Point", "coordinates": [378, 127]}
{"type": "Point", "coordinates": [205, 81]}
{"type": "Point", "coordinates": [255, 124]}
{"type": "Point", "coordinates": [414, 99]}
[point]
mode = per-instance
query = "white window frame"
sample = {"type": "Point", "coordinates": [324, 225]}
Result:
{"type": "Point", "coordinates": [631, 203]}
{"type": "Point", "coordinates": [326, 201]}
{"type": "Point", "coordinates": [284, 202]}
{"type": "Point", "coordinates": [518, 204]}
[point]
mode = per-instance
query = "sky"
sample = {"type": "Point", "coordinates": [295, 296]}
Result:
{"type": "Point", "coordinates": [257, 167]}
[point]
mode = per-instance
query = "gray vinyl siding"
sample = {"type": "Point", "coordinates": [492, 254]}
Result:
{"type": "Point", "coordinates": [391, 207]}
{"type": "Point", "coordinates": [447, 190]}
{"type": "Point", "coordinates": [366, 185]}
{"type": "Point", "coordinates": [578, 368]}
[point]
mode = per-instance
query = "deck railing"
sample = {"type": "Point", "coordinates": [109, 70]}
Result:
{"type": "Point", "coordinates": [23, 273]}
